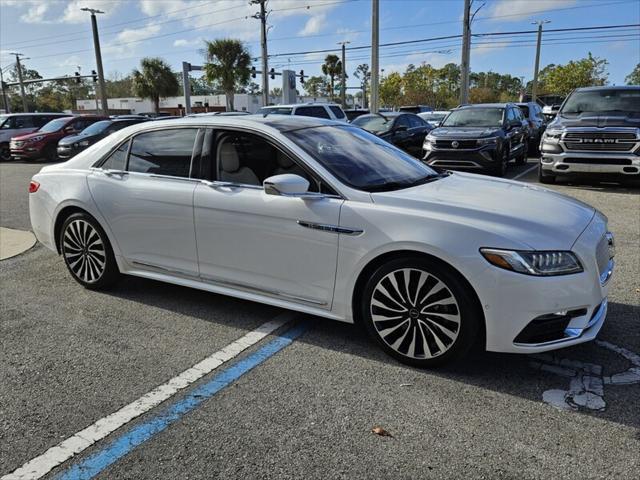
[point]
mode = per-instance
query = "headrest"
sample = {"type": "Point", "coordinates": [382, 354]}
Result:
{"type": "Point", "coordinates": [283, 160]}
{"type": "Point", "coordinates": [228, 155]}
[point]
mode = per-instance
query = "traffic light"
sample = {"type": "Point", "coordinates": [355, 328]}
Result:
{"type": "Point", "coordinates": [301, 76]}
{"type": "Point", "coordinates": [253, 72]}
{"type": "Point", "coordinates": [78, 79]}
{"type": "Point", "coordinates": [94, 76]}
{"type": "Point", "coordinates": [272, 74]}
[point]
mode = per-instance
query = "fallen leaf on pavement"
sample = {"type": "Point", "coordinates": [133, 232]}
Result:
{"type": "Point", "coordinates": [381, 431]}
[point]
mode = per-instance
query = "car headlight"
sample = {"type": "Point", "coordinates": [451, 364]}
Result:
{"type": "Point", "coordinates": [429, 140]}
{"type": "Point", "coordinates": [84, 143]}
{"type": "Point", "coordinates": [551, 136]}
{"type": "Point", "coordinates": [487, 141]}
{"type": "Point", "coordinates": [36, 139]}
{"type": "Point", "coordinates": [544, 263]}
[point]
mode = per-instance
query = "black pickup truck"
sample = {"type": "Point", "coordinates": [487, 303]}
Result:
{"type": "Point", "coordinates": [596, 133]}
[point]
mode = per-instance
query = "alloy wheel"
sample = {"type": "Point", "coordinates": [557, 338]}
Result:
{"type": "Point", "coordinates": [415, 313]}
{"type": "Point", "coordinates": [84, 251]}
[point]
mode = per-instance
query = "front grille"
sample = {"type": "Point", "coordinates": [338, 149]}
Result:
{"type": "Point", "coordinates": [599, 161]}
{"type": "Point", "coordinates": [602, 254]}
{"type": "Point", "coordinates": [599, 147]}
{"type": "Point", "coordinates": [462, 144]}
{"type": "Point", "coordinates": [600, 135]}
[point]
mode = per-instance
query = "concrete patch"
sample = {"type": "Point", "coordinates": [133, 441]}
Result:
{"type": "Point", "coordinates": [14, 242]}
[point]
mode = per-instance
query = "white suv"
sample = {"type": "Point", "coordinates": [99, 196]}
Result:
{"type": "Point", "coordinates": [329, 111]}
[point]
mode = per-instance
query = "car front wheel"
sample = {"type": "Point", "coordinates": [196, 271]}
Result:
{"type": "Point", "coordinates": [420, 312]}
{"type": "Point", "coordinates": [5, 152]}
{"type": "Point", "coordinates": [87, 252]}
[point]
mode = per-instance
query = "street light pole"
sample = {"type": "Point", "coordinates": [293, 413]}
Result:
{"type": "Point", "coordinates": [375, 35]}
{"type": "Point", "coordinates": [7, 107]}
{"type": "Point", "coordinates": [96, 46]}
{"type": "Point", "coordinates": [343, 82]}
{"type": "Point", "coordinates": [534, 88]}
{"type": "Point", "coordinates": [466, 47]}
{"type": "Point", "coordinates": [25, 108]}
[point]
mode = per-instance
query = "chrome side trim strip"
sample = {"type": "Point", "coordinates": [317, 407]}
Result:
{"type": "Point", "coordinates": [165, 269]}
{"type": "Point", "coordinates": [330, 228]}
{"type": "Point", "coordinates": [246, 286]}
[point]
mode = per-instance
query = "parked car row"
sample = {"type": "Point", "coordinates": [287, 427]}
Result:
{"type": "Point", "coordinates": [55, 135]}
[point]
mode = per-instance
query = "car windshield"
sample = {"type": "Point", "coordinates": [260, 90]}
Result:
{"type": "Point", "coordinates": [361, 160]}
{"type": "Point", "coordinates": [374, 123]}
{"type": "Point", "coordinates": [432, 117]}
{"type": "Point", "coordinates": [96, 128]}
{"type": "Point", "coordinates": [525, 110]}
{"type": "Point", "coordinates": [605, 100]}
{"type": "Point", "coordinates": [275, 110]}
{"type": "Point", "coordinates": [475, 117]}
{"type": "Point", "coordinates": [54, 125]}
{"type": "Point", "coordinates": [3, 120]}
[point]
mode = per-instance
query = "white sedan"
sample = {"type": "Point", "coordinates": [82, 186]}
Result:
{"type": "Point", "coordinates": [325, 218]}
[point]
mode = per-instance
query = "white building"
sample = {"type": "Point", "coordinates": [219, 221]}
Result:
{"type": "Point", "coordinates": [242, 102]}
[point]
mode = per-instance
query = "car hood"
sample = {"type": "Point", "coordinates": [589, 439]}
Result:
{"type": "Point", "coordinates": [464, 132]}
{"type": "Point", "coordinates": [31, 135]}
{"type": "Point", "coordinates": [520, 212]}
{"type": "Point", "coordinates": [76, 138]}
{"type": "Point", "coordinates": [613, 119]}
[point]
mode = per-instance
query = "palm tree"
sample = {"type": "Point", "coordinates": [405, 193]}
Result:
{"type": "Point", "coordinates": [228, 63]}
{"type": "Point", "coordinates": [332, 67]}
{"type": "Point", "coordinates": [154, 81]}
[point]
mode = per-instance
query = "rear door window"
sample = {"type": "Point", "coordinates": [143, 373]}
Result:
{"type": "Point", "coordinates": [163, 152]}
{"type": "Point", "coordinates": [337, 111]}
{"type": "Point", "coordinates": [317, 111]}
{"type": "Point", "coordinates": [415, 121]}
{"type": "Point", "coordinates": [118, 159]}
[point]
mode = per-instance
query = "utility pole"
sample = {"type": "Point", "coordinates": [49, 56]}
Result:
{"type": "Point", "coordinates": [466, 47]}
{"type": "Point", "coordinates": [375, 42]}
{"type": "Point", "coordinates": [22, 94]}
{"type": "Point", "coordinates": [7, 108]}
{"type": "Point", "coordinates": [466, 50]}
{"type": "Point", "coordinates": [343, 79]}
{"type": "Point", "coordinates": [534, 88]}
{"type": "Point", "coordinates": [262, 16]}
{"type": "Point", "coordinates": [96, 46]}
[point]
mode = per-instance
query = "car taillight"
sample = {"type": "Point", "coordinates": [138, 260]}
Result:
{"type": "Point", "coordinates": [33, 186]}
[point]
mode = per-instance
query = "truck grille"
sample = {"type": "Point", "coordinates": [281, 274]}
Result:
{"type": "Point", "coordinates": [600, 141]}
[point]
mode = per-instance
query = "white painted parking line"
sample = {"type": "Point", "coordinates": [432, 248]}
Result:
{"type": "Point", "coordinates": [522, 174]}
{"type": "Point", "coordinates": [66, 449]}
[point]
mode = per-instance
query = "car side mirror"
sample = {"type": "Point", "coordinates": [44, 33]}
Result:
{"type": "Point", "coordinates": [288, 185]}
{"type": "Point", "coordinates": [400, 128]}
{"type": "Point", "coordinates": [68, 130]}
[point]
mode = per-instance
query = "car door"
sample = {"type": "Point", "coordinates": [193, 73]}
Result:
{"type": "Point", "coordinates": [266, 244]}
{"type": "Point", "coordinates": [145, 193]}
{"type": "Point", "coordinates": [513, 127]}
{"type": "Point", "coordinates": [399, 134]}
{"type": "Point", "coordinates": [417, 131]}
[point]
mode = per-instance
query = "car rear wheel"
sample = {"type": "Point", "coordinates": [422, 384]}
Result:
{"type": "Point", "coordinates": [5, 152]}
{"type": "Point", "coordinates": [87, 252]}
{"type": "Point", "coordinates": [545, 177]}
{"type": "Point", "coordinates": [420, 312]}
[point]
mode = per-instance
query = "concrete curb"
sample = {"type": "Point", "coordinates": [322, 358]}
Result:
{"type": "Point", "coordinates": [14, 242]}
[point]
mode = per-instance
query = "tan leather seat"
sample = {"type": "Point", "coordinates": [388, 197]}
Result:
{"type": "Point", "coordinates": [230, 169]}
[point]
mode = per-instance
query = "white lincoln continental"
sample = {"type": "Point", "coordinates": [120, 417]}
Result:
{"type": "Point", "coordinates": [325, 218]}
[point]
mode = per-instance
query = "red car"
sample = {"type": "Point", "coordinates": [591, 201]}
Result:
{"type": "Point", "coordinates": [43, 143]}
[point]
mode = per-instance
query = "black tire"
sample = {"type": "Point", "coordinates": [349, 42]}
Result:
{"type": "Point", "coordinates": [419, 335]}
{"type": "Point", "coordinates": [87, 252]}
{"type": "Point", "coordinates": [522, 158]}
{"type": "Point", "coordinates": [500, 169]}
{"type": "Point", "coordinates": [5, 152]}
{"type": "Point", "coordinates": [545, 177]}
{"type": "Point", "coordinates": [50, 153]}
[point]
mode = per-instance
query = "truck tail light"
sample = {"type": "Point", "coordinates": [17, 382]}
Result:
{"type": "Point", "coordinates": [33, 186]}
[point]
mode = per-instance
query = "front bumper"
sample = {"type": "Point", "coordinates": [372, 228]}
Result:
{"type": "Point", "coordinates": [25, 151]}
{"type": "Point", "coordinates": [67, 151]}
{"type": "Point", "coordinates": [567, 163]}
{"type": "Point", "coordinates": [482, 158]}
{"type": "Point", "coordinates": [512, 301]}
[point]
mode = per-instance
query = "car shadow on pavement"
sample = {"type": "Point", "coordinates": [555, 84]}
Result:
{"type": "Point", "coordinates": [627, 187]}
{"type": "Point", "coordinates": [511, 374]}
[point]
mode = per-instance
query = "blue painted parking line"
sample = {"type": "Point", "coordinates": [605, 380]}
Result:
{"type": "Point", "coordinates": [124, 444]}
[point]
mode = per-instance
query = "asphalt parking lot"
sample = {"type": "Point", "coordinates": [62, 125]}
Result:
{"type": "Point", "coordinates": [302, 401]}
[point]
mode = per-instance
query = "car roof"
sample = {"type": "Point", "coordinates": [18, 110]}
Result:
{"type": "Point", "coordinates": [608, 87]}
{"type": "Point", "coordinates": [386, 114]}
{"type": "Point", "coordinates": [311, 104]}
{"type": "Point", "coordinates": [282, 123]}
{"type": "Point", "coordinates": [22, 114]}
{"type": "Point", "coordinates": [487, 105]}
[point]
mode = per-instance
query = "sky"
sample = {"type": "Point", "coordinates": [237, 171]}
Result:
{"type": "Point", "coordinates": [55, 35]}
